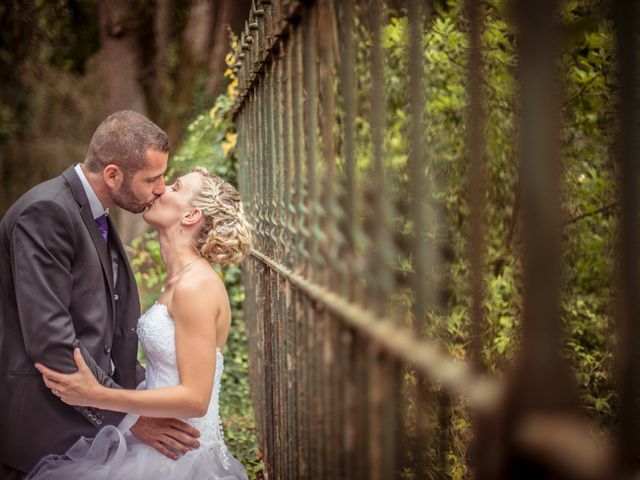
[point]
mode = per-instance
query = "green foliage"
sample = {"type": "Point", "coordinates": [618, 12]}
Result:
{"type": "Point", "coordinates": [210, 142]}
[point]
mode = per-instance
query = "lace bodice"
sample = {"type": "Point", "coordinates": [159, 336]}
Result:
{"type": "Point", "coordinates": [156, 331]}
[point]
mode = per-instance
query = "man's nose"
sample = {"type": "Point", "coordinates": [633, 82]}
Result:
{"type": "Point", "coordinates": [159, 188]}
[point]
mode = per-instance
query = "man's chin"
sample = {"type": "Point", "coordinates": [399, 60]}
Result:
{"type": "Point", "coordinates": [137, 209]}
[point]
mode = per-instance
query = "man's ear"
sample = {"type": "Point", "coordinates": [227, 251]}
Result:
{"type": "Point", "coordinates": [192, 217]}
{"type": "Point", "coordinates": [112, 175]}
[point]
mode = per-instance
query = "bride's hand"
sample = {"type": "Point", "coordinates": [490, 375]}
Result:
{"type": "Point", "coordinates": [80, 388]}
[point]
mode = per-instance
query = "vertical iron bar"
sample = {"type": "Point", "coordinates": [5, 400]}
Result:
{"type": "Point", "coordinates": [375, 398]}
{"type": "Point", "coordinates": [311, 124]}
{"type": "Point", "coordinates": [627, 24]}
{"type": "Point", "coordinates": [540, 381]}
{"type": "Point", "coordinates": [350, 407]}
{"type": "Point", "coordinates": [300, 400]}
{"type": "Point", "coordinates": [479, 449]}
{"type": "Point", "coordinates": [348, 84]}
{"type": "Point", "coordinates": [421, 251]}
{"type": "Point", "coordinates": [282, 283]}
{"type": "Point", "coordinates": [298, 148]}
{"type": "Point", "coordinates": [422, 254]}
{"type": "Point", "coordinates": [288, 238]}
{"type": "Point", "coordinates": [380, 277]}
{"type": "Point", "coordinates": [259, 179]}
{"type": "Point", "coordinates": [330, 234]}
{"type": "Point", "coordinates": [268, 110]}
{"type": "Point", "coordinates": [477, 180]}
{"type": "Point", "coordinates": [288, 152]}
{"type": "Point", "coordinates": [281, 154]}
{"type": "Point", "coordinates": [362, 407]}
{"type": "Point", "coordinates": [539, 174]}
{"type": "Point", "coordinates": [330, 237]}
{"type": "Point", "coordinates": [347, 443]}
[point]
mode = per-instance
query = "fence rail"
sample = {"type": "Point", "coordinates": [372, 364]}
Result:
{"type": "Point", "coordinates": [348, 379]}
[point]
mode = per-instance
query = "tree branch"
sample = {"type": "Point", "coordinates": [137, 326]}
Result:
{"type": "Point", "coordinates": [582, 216]}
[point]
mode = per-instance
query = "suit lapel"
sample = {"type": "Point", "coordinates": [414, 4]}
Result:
{"type": "Point", "coordinates": [126, 282]}
{"type": "Point", "coordinates": [77, 190]}
{"type": "Point", "coordinates": [116, 244]}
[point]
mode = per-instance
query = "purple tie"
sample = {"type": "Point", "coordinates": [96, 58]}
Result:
{"type": "Point", "coordinates": [101, 221]}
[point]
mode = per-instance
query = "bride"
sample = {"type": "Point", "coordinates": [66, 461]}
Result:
{"type": "Point", "coordinates": [199, 220]}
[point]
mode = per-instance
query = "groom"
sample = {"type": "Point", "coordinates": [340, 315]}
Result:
{"type": "Point", "coordinates": [65, 282]}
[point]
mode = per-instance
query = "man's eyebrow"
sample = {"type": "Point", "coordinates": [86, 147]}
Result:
{"type": "Point", "coordinates": [156, 177]}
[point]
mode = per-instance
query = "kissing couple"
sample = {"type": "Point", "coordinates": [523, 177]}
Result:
{"type": "Point", "coordinates": [74, 401]}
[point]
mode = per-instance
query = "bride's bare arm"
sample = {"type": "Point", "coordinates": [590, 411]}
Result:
{"type": "Point", "coordinates": [194, 312]}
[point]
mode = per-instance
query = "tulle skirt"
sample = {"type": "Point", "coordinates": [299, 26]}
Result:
{"type": "Point", "coordinates": [114, 455]}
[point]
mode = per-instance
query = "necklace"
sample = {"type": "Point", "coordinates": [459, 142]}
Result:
{"type": "Point", "coordinates": [177, 272]}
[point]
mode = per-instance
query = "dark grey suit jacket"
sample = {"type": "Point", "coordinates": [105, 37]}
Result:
{"type": "Point", "coordinates": [57, 292]}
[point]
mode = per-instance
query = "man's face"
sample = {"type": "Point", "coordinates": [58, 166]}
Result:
{"type": "Point", "coordinates": [140, 190]}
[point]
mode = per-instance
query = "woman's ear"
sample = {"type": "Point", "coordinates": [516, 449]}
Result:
{"type": "Point", "coordinates": [192, 217]}
{"type": "Point", "coordinates": [112, 175]}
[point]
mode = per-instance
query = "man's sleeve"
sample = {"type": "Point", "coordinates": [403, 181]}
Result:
{"type": "Point", "coordinates": [42, 245]}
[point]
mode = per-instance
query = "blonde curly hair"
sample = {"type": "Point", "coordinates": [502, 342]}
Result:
{"type": "Point", "coordinates": [225, 234]}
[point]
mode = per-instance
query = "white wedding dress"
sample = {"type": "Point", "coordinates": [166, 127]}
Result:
{"type": "Point", "coordinates": [113, 454]}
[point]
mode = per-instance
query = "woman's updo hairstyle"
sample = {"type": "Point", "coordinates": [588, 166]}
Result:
{"type": "Point", "coordinates": [225, 234]}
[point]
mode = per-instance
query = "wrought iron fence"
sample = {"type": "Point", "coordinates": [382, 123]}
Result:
{"type": "Point", "coordinates": [348, 271]}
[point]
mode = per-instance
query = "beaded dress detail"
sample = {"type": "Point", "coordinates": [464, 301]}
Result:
{"type": "Point", "coordinates": [116, 454]}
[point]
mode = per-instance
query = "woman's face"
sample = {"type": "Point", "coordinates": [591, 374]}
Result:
{"type": "Point", "coordinates": [169, 208]}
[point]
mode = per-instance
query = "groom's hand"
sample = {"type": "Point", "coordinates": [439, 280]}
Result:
{"type": "Point", "coordinates": [169, 436]}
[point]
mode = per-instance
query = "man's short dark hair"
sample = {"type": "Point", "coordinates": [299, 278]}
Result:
{"type": "Point", "coordinates": [123, 139]}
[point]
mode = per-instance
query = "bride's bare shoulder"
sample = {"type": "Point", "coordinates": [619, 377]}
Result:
{"type": "Point", "coordinates": [202, 290]}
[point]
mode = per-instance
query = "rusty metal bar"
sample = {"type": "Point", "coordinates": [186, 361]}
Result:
{"type": "Point", "coordinates": [298, 148]}
{"type": "Point", "coordinates": [627, 22]}
{"type": "Point", "coordinates": [541, 381]}
{"type": "Point", "coordinates": [289, 237]}
{"type": "Point", "coordinates": [428, 358]}
{"type": "Point", "coordinates": [284, 140]}
{"type": "Point", "coordinates": [422, 253]}
{"type": "Point", "coordinates": [381, 278]}
{"type": "Point", "coordinates": [348, 95]}
{"type": "Point", "coordinates": [328, 243]}
{"type": "Point", "coordinates": [276, 156]}
{"type": "Point", "coordinates": [331, 237]}
{"type": "Point", "coordinates": [538, 44]}
{"type": "Point", "coordinates": [477, 180]}
{"type": "Point", "coordinates": [310, 76]}
{"type": "Point", "coordinates": [481, 445]}
{"type": "Point", "coordinates": [269, 155]}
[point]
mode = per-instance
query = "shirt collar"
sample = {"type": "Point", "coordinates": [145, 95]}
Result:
{"type": "Point", "coordinates": [97, 210]}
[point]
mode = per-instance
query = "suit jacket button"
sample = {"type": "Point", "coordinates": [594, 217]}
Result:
{"type": "Point", "coordinates": [107, 349]}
